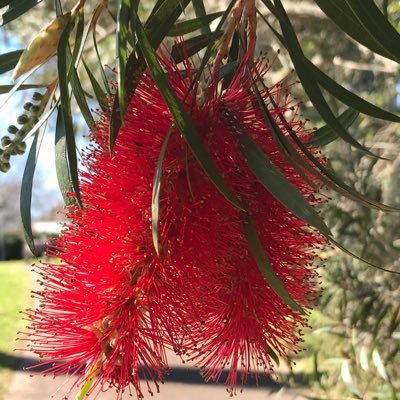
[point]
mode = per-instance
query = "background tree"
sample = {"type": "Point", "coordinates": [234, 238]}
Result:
{"type": "Point", "coordinates": [366, 64]}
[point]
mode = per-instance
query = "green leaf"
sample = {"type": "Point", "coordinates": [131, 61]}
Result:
{"type": "Point", "coordinates": [309, 82]}
{"type": "Point", "coordinates": [360, 20]}
{"type": "Point", "coordinates": [83, 393]}
{"type": "Point", "coordinates": [182, 50]}
{"type": "Point", "coordinates": [155, 200]}
{"type": "Point", "coordinates": [63, 69]}
{"type": "Point", "coordinates": [160, 21]}
{"type": "Point", "coordinates": [192, 25]}
{"type": "Point", "coordinates": [349, 98]}
{"type": "Point", "coordinates": [9, 60]}
{"type": "Point", "coordinates": [316, 168]}
{"type": "Point", "coordinates": [325, 134]}
{"type": "Point", "coordinates": [341, 93]}
{"type": "Point", "coordinates": [273, 355]}
{"type": "Point", "coordinates": [200, 12]}
{"type": "Point", "coordinates": [122, 50]}
{"type": "Point", "coordinates": [265, 266]}
{"type": "Point", "coordinates": [15, 9]}
{"type": "Point", "coordinates": [6, 88]}
{"type": "Point", "coordinates": [273, 180]}
{"type": "Point", "coordinates": [100, 94]}
{"type": "Point", "coordinates": [182, 119]}
{"type": "Point", "coordinates": [62, 169]}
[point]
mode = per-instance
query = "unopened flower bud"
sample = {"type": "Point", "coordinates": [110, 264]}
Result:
{"type": "Point", "coordinates": [23, 119]}
{"type": "Point", "coordinates": [5, 141]}
{"type": "Point", "coordinates": [12, 129]}
{"type": "Point", "coordinates": [21, 133]}
{"type": "Point", "coordinates": [5, 167]}
{"type": "Point", "coordinates": [35, 109]}
{"type": "Point", "coordinates": [37, 96]}
{"type": "Point", "coordinates": [21, 147]}
{"type": "Point", "coordinates": [5, 157]}
{"type": "Point", "coordinates": [27, 106]}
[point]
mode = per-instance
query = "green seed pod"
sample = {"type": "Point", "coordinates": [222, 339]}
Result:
{"type": "Point", "coordinates": [27, 106]}
{"type": "Point", "coordinates": [23, 119]}
{"type": "Point", "coordinates": [5, 157]}
{"type": "Point", "coordinates": [5, 167]}
{"type": "Point", "coordinates": [21, 147]}
{"type": "Point", "coordinates": [35, 109]}
{"type": "Point", "coordinates": [37, 96]}
{"type": "Point", "coordinates": [20, 134]}
{"type": "Point", "coordinates": [5, 141]}
{"type": "Point", "coordinates": [12, 129]}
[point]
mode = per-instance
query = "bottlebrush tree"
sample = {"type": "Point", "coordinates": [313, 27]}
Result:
{"type": "Point", "coordinates": [192, 223]}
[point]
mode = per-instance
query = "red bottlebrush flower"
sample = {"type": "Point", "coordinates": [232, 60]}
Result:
{"type": "Point", "coordinates": [111, 307]}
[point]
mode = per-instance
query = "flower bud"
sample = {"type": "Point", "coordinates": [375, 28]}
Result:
{"type": "Point", "coordinates": [5, 141]}
{"type": "Point", "coordinates": [12, 129]}
{"type": "Point", "coordinates": [23, 119]}
{"type": "Point", "coordinates": [37, 96]}
{"type": "Point", "coordinates": [27, 106]}
{"type": "Point", "coordinates": [5, 167]}
{"type": "Point", "coordinates": [35, 109]}
{"type": "Point", "coordinates": [5, 157]}
{"type": "Point", "coordinates": [21, 147]}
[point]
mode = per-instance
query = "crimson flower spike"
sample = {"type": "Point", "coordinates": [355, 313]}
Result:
{"type": "Point", "coordinates": [109, 310]}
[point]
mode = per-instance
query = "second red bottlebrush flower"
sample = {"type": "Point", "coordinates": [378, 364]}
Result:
{"type": "Point", "coordinates": [109, 310]}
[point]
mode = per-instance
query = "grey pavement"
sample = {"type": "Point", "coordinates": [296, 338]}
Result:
{"type": "Point", "coordinates": [183, 383]}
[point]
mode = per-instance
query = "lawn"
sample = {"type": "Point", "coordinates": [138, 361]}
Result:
{"type": "Point", "coordinates": [15, 284]}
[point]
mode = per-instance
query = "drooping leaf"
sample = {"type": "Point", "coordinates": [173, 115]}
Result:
{"type": "Point", "coordinates": [65, 103]}
{"type": "Point", "coordinates": [309, 82]}
{"type": "Point", "coordinates": [9, 60]}
{"type": "Point", "coordinates": [122, 50]}
{"type": "Point", "coordinates": [181, 117]}
{"type": "Point", "coordinates": [200, 11]}
{"type": "Point", "coordinates": [97, 89]}
{"type": "Point", "coordinates": [6, 88]}
{"type": "Point", "coordinates": [345, 96]}
{"type": "Point", "coordinates": [180, 51]}
{"type": "Point", "coordinates": [265, 266]}
{"type": "Point", "coordinates": [14, 9]}
{"type": "Point", "coordinates": [155, 199]}
{"type": "Point", "coordinates": [273, 180]}
{"type": "Point", "coordinates": [164, 15]}
{"type": "Point", "coordinates": [325, 134]}
{"type": "Point", "coordinates": [61, 160]}
{"type": "Point", "coordinates": [365, 23]}
{"type": "Point", "coordinates": [192, 25]}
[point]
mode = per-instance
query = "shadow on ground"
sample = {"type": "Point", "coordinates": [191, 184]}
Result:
{"type": "Point", "coordinates": [178, 374]}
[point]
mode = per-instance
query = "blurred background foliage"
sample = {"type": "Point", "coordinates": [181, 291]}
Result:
{"type": "Point", "coordinates": [353, 350]}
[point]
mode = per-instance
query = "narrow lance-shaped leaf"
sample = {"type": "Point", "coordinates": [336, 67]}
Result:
{"type": "Point", "coordinates": [192, 25]}
{"type": "Point", "coordinates": [343, 15]}
{"type": "Point", "coordinates": [160, 21]}
{"type": "Point", "coordinates": [273, 180]}
{"type": "Point", "coordinates": [316, 169]}
{"type": "Point", "coordinates": [9, 60]}
{"type": "Point", "coordinates": [180, 51]}
{"type": "Point", "coordinates": [265, 266]}
{"type": "Point", "coordinates": [200, 12]}
{"type": "Point", "coordinates": [122, 50]}
{"type": "Point", "coordinates": [65, 104]}
{"type": "Point", "coordinates": [181, 118]}
{"type": "Point", "coordinates": [6, 88]}
{"type": "Point", "coordinates": [308, 81]}
{"type": "Point", "coordinates": [325, 134]}
{"type": "Point", "coordinates": [97, 89]}
{"type": "Point", "coordinates": [15, 9]}
{"type": "Point", "coordinates": [345, 96]}
{"type": "Point", "coordinates": [155, 200]}
{"type": "Point", "coordinates": [62, 169]}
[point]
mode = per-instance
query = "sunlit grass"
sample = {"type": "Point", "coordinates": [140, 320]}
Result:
{"type": "Point", "coordinates": [15, 284]}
